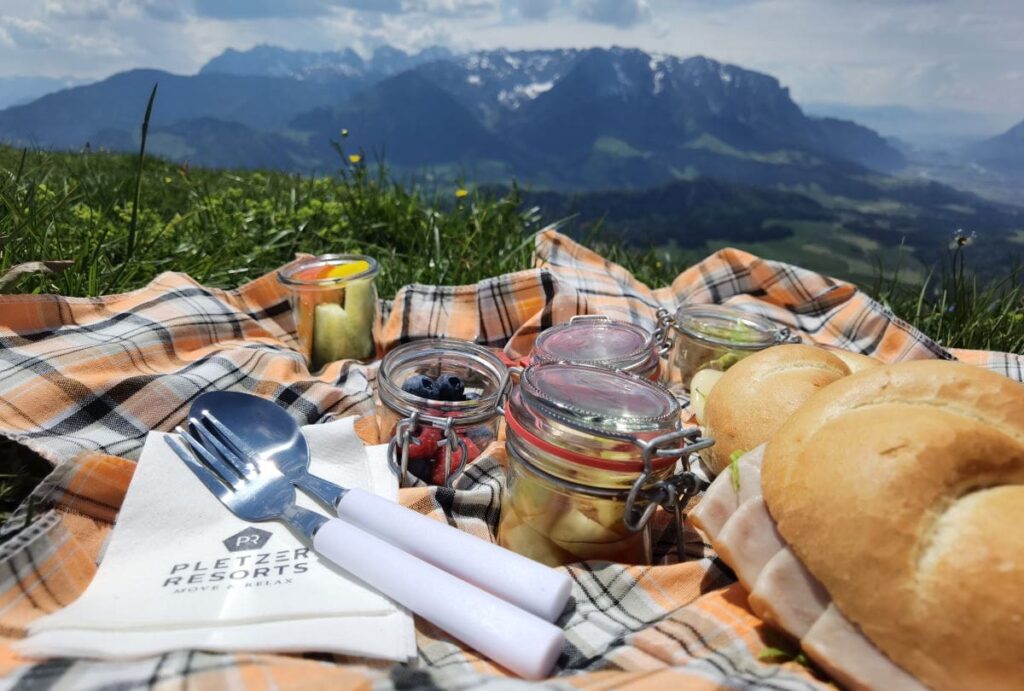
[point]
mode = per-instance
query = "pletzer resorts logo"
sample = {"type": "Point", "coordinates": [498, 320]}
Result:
{"type": "Point", "coordinates": [249, 566]}
{"type": "Point", "coordinates": [250, 538]}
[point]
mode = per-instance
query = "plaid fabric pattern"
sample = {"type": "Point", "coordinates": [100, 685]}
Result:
{"type": "Point", "coordinates": [83, 380]}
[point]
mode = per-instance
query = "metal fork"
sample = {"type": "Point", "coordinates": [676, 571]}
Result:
{"type": "Point", "coordinates": [514, 638]}
{"type": "Point", "coordinates": [486, 565]}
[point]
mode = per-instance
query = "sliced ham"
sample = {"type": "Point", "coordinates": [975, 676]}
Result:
{"type": "Point", "coordinates": [781, 589]}
{"type": "Point", "coordinates": [787, 596]}
{"type": "Point", "coordinates": [850, 658]}
{"type": "Point", "coordinates": [721, 500]}
{"type": "Point", "coordinates": [749, 540]}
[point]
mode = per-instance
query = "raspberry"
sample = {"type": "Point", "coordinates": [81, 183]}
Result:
{"type": "Point", "coordinates": [428, 440]}
{"type": "Point", "coordinates": [471, 453]}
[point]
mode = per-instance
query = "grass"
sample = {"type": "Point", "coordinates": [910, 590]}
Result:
{"type": "Point", "coordinates": [120, 220]}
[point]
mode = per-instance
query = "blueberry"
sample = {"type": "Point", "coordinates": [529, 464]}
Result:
{"type": "Point", "coordinates": [450, 387]}
{"type": "Point", "coordinates": [423, 386]}
{"type": "Point", "coordinates": [472, 396]}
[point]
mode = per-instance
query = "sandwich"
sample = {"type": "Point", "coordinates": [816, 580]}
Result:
{"type": "Point", "coordinates": [743, 406]}
{"type": "Point", "coordinates": [882, 526]}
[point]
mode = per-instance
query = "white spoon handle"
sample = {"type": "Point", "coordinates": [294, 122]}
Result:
{"type": "Point", "coordinates": [517, 640]}
{"type": "Point", "coordinates": [512, 577]}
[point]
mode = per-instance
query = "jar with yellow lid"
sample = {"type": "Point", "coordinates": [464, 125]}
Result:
{"type": "Point", "coordinates": [334, 304]}
{"type": "Point", "coordinates": [592, 453]}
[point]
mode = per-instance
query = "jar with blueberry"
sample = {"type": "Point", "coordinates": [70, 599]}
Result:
{"type": "Point", "coordinates": [439, 407]}
{"type": "Point", "coordinates": [592, 453]}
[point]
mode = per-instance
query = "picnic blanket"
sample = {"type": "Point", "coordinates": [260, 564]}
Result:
{"type": "Point", "coordinates": [83, 380]}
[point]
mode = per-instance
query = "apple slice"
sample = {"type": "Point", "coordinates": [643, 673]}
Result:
{"type": "Point", "coordinates": [700, 388]}
{"type": "Point", "coordinates": [339, 334]}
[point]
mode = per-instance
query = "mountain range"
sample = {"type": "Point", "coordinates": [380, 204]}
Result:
{"type": "Point", "coordinates": [563, 118]}
{"type": "Point", "coordinates": [746, 162]}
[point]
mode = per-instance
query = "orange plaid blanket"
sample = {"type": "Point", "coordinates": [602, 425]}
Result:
{"type": "Point", "coordinates": [82, 381]}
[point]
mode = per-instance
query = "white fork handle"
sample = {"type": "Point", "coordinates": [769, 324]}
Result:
{"type": "Point", "coordinates": [523, 582]}
{"type": "Point", "coordinates": [517, 640]}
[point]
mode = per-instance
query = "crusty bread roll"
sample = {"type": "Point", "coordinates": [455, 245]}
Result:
{"type": "Point", "coordinates": [755, 396]}
{"type": "Point", "coordinates": [901, 488]}
{"type": "Point", "coordinates": [855, 361]}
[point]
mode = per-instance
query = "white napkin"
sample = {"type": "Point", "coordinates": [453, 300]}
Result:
{"type": "Point", "coordinates": [180, 571]}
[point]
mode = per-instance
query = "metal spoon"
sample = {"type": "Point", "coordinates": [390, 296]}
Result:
{"type": "Point", "coordinates": [270, 435]}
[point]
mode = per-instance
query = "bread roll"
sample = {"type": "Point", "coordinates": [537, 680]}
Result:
{"type": "Point", "coordinates": [755, 396]}
{"type": "Point", "coordinates": [901, 488]}
{"type": "Point", "coordinates": [855, 361]}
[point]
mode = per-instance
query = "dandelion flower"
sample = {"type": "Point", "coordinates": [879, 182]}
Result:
{"type": "Point", "coordinates": [355, 158]}
{"type": "Point", "coordinates": [962, 239]}
{"type": "Point", "coordinates": [461, 192]}
{"type": "Point", "coordinates": [167, 180]}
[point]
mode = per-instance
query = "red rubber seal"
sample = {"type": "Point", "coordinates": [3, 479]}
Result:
{"type": "Point", "coordinates": [579, 458]}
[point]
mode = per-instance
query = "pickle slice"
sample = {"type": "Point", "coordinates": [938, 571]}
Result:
{"type": "Point", "coordinates": [700, 386]}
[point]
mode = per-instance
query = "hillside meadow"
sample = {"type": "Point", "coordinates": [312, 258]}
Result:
{"type": "Point", "coordinates": [227, 227]}
{"type": "Point", "coordinates": [117, 221]}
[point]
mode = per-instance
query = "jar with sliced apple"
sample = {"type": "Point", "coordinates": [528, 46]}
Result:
{"type": "Point", "coordinates": [715, 337]}
{"type": "Point", "coordinates": [591, 453]}
{"type": "Point", "coordinates": [334, 303]}
{"type": "Point", "coordinates": [439, 407]}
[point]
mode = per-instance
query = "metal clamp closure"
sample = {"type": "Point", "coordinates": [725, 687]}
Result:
{"type": "Point", "coordinates": [407, 433]}
{"type": "Point", "coordinates": [662, 333]}
{"type": "Point", "coordinates": [785, 335]}
{"type": "Point", "coordinates": [505, 388]}
{"type": "Point", "coordinates": [674, 492]}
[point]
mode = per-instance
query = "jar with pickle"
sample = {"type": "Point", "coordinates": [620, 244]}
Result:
{"type": "Point", "coordinates": [600, 341]}
{"type": "Point", "coordinates": [592, 454]}
{"type": "Point", "coordinates": [439, 407]}
{"type": "Point", "coordinates": [713, 338]}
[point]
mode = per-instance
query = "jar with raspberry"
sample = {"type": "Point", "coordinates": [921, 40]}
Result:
{"type": "Point", "coordinates": [439, 406]}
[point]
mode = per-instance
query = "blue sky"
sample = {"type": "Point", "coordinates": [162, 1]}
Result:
{"type": "Point", "coordinates": [963, 54]}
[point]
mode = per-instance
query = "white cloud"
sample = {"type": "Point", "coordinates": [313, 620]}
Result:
{"type": "Point", "coordinates": [615, 12]}
{"type": "Point", "coordinates": [27, 34]}
{"type": "Point", "coordinates": [534, 9]}
{"type": "Point", "coordinates": [945, 53]}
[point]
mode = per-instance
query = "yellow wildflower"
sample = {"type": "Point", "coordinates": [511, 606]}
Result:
{"type": "Point", "coordinates": [460, 193]}
{"type": "Point", "coordinates": [167, 180]}
{"type": "Point", "coordinates": [355, 158]}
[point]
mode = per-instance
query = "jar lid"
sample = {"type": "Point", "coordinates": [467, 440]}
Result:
{"type": "Point", "coordinates": [727, 326]}
{"type": "Point", "coordinates": [479, 368]}
{"type": "Point", "coordinates": [328, 271]}
{"type": "Point", "coordinates": [597, 400]}
{"type": "Point", "coordinates": [595, 341]}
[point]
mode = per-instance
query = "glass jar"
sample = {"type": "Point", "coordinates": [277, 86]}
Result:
{"type": "Point", "coordinates": [334, 304]}
{"type": "Point", "coordinates": [592, 452]}
{"type": "Point", "coordinates": [430, 440]}
{"type": "Point", "coordinates": [599, 341]}
{"type": "Point", "coordinates": [715, 337]}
